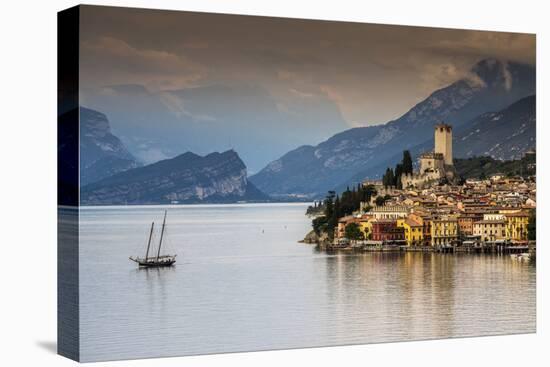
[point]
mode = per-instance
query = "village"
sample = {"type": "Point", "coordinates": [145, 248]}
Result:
{"type": "Point", "coordinates": [487, 215]}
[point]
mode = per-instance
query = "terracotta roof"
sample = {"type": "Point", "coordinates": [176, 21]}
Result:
{"type": "Point", "coordinates": [413, 223]}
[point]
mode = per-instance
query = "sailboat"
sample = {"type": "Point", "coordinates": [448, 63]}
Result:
{"type": "Point", "coordinates": [158, 260]}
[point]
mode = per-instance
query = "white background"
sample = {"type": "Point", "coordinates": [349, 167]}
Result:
{"type": "Point", "coordinates": [28, 182]}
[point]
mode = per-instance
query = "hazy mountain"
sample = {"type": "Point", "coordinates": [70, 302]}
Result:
{"type": "Point", "coordinates": [187, 178]}
{"type": "Point", "coordinates": [502, 135]}
{"type": "Point", "coordinates": [217, 117]}
{"type": "Point", "coordinates": [101, 153]}
{"type": "Point", "coordinates": [365, 152]}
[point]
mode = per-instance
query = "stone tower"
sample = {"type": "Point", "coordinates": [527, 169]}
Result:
{"type": "Point", "coordinates": [444, 142]}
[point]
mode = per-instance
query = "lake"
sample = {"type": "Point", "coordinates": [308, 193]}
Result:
{"type": "Point", "coordinates": [242, 282]}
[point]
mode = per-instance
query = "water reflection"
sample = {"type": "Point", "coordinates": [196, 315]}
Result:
{"type": "Point", "coordinates": [242, 283]}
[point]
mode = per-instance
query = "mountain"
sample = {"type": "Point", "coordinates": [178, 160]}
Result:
{"type": "Point", "coordinates": [187, 178]}
{"type": "Point", "coordinates": [502, 135]}
{"type": "Point", "coordinates": [352, 155]}
{"type": "Point", "coordinates": [156, 125]}
{"type": "Point", "coordinates": [102, 154]}
{"type": "Point", "coordinates": [480, 167]}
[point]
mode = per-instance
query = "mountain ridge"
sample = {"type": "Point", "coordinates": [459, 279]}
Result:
{"type": "Point", "coordinates": [310, 171]}
{"type": "Point", "coordinates": [102, 154]}
{"type": "Point", "coordinates": [186, 178]}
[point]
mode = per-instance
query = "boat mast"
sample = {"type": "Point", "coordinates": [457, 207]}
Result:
{"type": "Point", "coordinates": [149, 242]}
{"type": "Point", "coordinates": [161, 234]}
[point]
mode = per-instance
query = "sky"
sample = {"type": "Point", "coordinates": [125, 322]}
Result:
{"type": "Point", "coordinates": [371, 73]}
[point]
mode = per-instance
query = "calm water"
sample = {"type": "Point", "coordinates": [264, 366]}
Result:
{"type": "Point", "coordinates": [242, 282]}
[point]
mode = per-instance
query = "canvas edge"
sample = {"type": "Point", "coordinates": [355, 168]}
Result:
{"type": "Point", "coordinates": [68, 316]}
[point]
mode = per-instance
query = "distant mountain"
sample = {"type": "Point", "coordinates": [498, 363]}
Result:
{"type": "Point", "coordinates": [102, 154]}
{"type": "Point", "coordinates": [502, 135]}
{"type": "Point", "coordinates": [159, 125]}
{"type": "Point", "coordinates": [187, 178]}
{"type": "Point", "coordinates": [355, 154]}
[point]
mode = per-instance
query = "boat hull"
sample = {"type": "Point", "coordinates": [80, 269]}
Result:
{"type": "Point", "coordinates": [154, 262]}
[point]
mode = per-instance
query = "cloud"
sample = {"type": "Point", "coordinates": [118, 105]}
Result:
{"type": "Point", "coordinates": [151, 155]}
{"type": "Point", "coordinates": [110, 58]}
{"type": "Point", "coordinates": [507, 77]}
{"type": "Point", "coordinates": [374, 72]}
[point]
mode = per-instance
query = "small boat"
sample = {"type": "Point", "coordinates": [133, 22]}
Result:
{"type": "Point", "coordinates": [158, 260]}
{"type": "Point", "coordinates": [521, 257]}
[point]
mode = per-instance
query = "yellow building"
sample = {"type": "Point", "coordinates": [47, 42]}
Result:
{"type": "Point", "coordinates": [490, 230]}
{"type": "Point", "coordinates": [516, 226]}
{"type": "Point", "coordinates": [366, 227]}
{"type": "Point", "coordinates": [364, 223]}
{"type": "Point", "coordinates": [413, 231]}
{"type": "Point", "coordinates": [444, 231]}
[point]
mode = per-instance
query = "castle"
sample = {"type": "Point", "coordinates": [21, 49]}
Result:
{"type": "Point", "coordinates": [437, 165]}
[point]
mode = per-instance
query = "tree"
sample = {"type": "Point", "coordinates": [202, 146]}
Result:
{"type": "Point", "coordinates": [353, 232]}
{"type": "Point", "coordinates": [381, 200]}
{"type": "Point", "coordinates": [319, 225]}
{"type": "Point", "coordinates": [329, 205]}
{"type": "Point", "coordinates": [407, 162]}
{"type": "Point", "coordinates": [397, 178]}
{"type": "Point", "coordinates": [332, 220]}
{"type": "Point", "coordinates": [389, 178]}
{"type": "Point", "coordinates": [369, 192]}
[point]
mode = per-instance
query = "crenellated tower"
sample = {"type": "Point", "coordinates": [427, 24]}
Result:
{"type": "Point", "coordinates": [444, 142]}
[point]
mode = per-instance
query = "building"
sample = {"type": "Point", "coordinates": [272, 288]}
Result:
{"type": "Point", "coordinates": [390, 212]}
{"type": "Point", "coordinates": [490, 230]}
{"type": "Point", "coordinates": [412, 231]}
{"type": "Point", "coordinates": [444, 231]}
{"type": "Point", "coordinates": [493, 216]}
{"type": "Point", "coordinates": [387, 231]}
{"type": "Point", "coordinates": [365, 225]}
{"type": "Point", "coordinates": [435, 165]}
{"type": "Point", "coordinates": [444, 142]}
{"type": "Point", "coordinates": [364, 222]}
{"type": "Point", "coordinates": [426, 220]}
{"type": "Point", "coordinates": [466, 223]}
{"type": "Point", "coordinates": [516, 226]}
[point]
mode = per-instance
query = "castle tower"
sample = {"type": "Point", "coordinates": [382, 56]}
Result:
{"type": "Point", "coordinates": [444, 142]}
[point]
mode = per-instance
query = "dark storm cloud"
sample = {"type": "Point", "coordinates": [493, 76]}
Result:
{"type": "Point", "coordinates": [373, 72]}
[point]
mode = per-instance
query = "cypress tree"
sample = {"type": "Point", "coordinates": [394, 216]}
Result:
{"type": "Point", "coordinates": [397, 178]}
{"type": "Point", "coordinates": [407, 162]}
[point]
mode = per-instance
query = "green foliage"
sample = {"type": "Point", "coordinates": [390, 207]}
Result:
{"type": "Point", "coordinates": [353, 232]}
{"type": "Point", "coordinates": [368, 192]}
{"type": "Point", "coordinates": [482, 167]}
{"type": "Point", "coordinates": [319, 225]}
{"type": "Point", "coordinates": [335, 207]}
{"type": "Point", "coordinates": [333, 219]}
{"type": "Point", "coordinates": [389, 178]}
{"type": "Point", "coordinates": [398, 173]}
{"type": "Point", "coordinates": [316, 209]}
{"type": "Point", "coordinates": [407, 162]}
{"type": "Point", "coordinates": [393, 177]}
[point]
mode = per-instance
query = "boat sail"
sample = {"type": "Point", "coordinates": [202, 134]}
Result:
{"type": "Point", "coordinates": [158, 260]}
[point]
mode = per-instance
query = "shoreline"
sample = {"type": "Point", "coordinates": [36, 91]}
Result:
{"type": "Point", "coordinates": [506, 249]}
